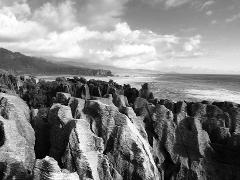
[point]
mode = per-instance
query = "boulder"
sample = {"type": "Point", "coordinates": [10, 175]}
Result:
{"type": "Point", "coordinates": [75, 147]}
{"type": "Point", "coordinates": [59, 116]}
{"type": "Point", "coordinates": [120, 101]}
{"type": "Point", "coordinates": [17, 138]}
{"type": "Point", "coordinates": [127, 150]}
{"type": "Point", "coordinates": [16, 154]}
{"type": "Point", "coordinates": [62, 98]}
{"type": "Point", "coordinates": [95, 91]}
{"type": "Point", "coordinates": [145, 110]}
{"type": "Point", "coordinates": [84, 154]}
{"type": "Point", "coordinates": [77, 106]}
{"type": "Point", "coordinates": [137, 121]}
{"type": "Point", "coordinates": [48, 169]}
{"type": "Point", "coordinates": [145, 92]}
{"type": "Point", "coordinates": [182, 149]}
{"type": "Point", "coordinates": [85, 94]}
{"type": "Point", "coordinates": [130, 93]}
{"type": "Point", "coordinates": [14, 108]}
{"type": "Point", "coordinates": [130, 154]}
{"type": "Point", "coordinates": [168, 104]}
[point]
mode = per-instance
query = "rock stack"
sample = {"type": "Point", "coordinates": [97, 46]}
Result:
{"type": "Point", "coordinates": [113, 132]}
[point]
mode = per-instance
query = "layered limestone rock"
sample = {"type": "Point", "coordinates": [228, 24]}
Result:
{"type": "Point", "coordinates": [182, 148]}
{"type": "Point", "coordinates": [62, 98]}
{"type": "Point", "coordinates": [127, 150]}
{"type": "Point", "coordinates": [16, 139]}
{"type": "Point", "coordinates": [48, 169]}
{"type": "Point", "coordinates": [106, 139]}
{"type": "Point", "coordinates": [77, 106]}
{"type": "Point", "coordinates": [138, 121]}
{"type": "Point", "coordinates": [84, 154]}
{"type": "Point", "coordinates": [14, 108]}
{"type": "Point", "coordinates": [120, 101]}
{"type": "Point", "coordinates": [196, 140]}
{"type": "Point", "coordinates": [59, 116]}
{"type": "Point", "coordinates": [76, 148]}
{"type": "Point", "coordinates": [16, 157]}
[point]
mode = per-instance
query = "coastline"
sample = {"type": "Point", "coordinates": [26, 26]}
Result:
{"type": "Point", "coordinates": [179, 87]}
{"type": "Point", "coordinates": [87, 127]}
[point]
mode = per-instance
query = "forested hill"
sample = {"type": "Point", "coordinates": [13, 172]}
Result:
{"type": "Point", "coordinates": [22, 64]}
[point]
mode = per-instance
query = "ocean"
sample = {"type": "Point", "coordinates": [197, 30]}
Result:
{"type": "Point", "coordinates": [189, 87]}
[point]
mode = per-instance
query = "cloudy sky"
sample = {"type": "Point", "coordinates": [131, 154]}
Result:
{"type": "Point", "coordinates": [191, 36]}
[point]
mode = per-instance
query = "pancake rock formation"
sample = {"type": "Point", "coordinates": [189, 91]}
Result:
{"type": "Point", "coordinates": [95, 130]}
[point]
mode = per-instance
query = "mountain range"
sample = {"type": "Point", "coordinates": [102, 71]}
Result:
{"type": "Point", "coordinates": [22, 64]}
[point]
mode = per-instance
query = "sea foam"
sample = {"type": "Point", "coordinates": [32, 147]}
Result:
{"type": "Point", "coordinates": [217, 94]}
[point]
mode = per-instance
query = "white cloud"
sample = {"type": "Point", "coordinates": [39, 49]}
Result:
{"type": "Point", "coordinates": [199, 4]}
{"type": "Point", "coordinates": [55, 30]}
{"type": "Point", "coordinates": [193, 43]}
{"type": "Point", "coordinates": [207, 4]}
{"type": "Point", "coordinates": [60, 16]}
{"type": "Point", "coordinates": [233, 18]}
{"type": "Point", "coordinates": [122, 47]}
{"type": "Point", "coordinates": [209, 13]}
{"type": "Point", "coordinates": [20, 10]}
{"type": "Point", "coordinates": [168, 3]}
{"type": "Point", "coordinates": [214, 22]}
{"type": "Point", "coordinates": [13, 29]}
{"type": "Point", "coordinates": [101, 14]}
{"type": "Point", "coordinates": [175, 3]}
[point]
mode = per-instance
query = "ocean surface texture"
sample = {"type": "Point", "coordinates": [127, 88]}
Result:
{"type": "Point", "coordinates": [190, 87]}
{"type": "Point", "coordinates": [196, 87]}
{"type": "Point", "coordinates": [187, 87]}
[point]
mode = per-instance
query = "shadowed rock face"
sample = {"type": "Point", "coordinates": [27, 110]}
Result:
{"type": "Point", "coordinates": [62, 98]}
{"type": "Point", "coordinates": [58, 118]}
{"type": "Point", "coordinates": [77, 106]}
{"type": "Point", "coordinates": [194, 141]}
{"type": "Point", "coordinates": [42, 132]}
{"type": "Point", "coordinates": [181, 147]}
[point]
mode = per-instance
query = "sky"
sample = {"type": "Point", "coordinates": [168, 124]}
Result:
{"type": "Point", "coordinates": [185, 36]}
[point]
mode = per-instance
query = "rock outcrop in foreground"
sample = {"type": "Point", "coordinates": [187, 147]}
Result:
{"type": "Point", "coordinates": [113, 132]}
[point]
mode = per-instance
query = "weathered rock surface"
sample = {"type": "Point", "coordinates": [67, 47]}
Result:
{"type": "Point", "coordinates": [62, 98]}
{"type": "Point", "coordinates": [182, 148]}
{"type": "Point", "coordinates": [59, 116]}
{"type": "Point", "coordinates": [84, 154]}
{"type": "Point", "coordinates": [14, 108]}
{"type": "Point", "coordinates": [77, 106]}
{"type": "Point", "coordinates": [138, 121]}
{"type": "Point", "coordinates": [108, 138]}
{"type": "Point", "coordinates": [127, 150]}
{"type": "Point", "coordinates": [120, 101]}
{"type": "Point", "coordinates": [16, 138]}
{"type": "Point", "coordinates": [76, 148]}
{"type": "Point", "coordinates": [16, 155]}
{"type": "Point", "coordinates": [48, 169]}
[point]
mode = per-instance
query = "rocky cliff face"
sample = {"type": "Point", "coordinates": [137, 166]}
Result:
{"type": "Point", "coordinates": [116, 133]}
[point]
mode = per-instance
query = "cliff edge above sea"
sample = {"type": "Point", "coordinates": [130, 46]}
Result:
{"type": "Point", "coordinates": [71, 129]}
